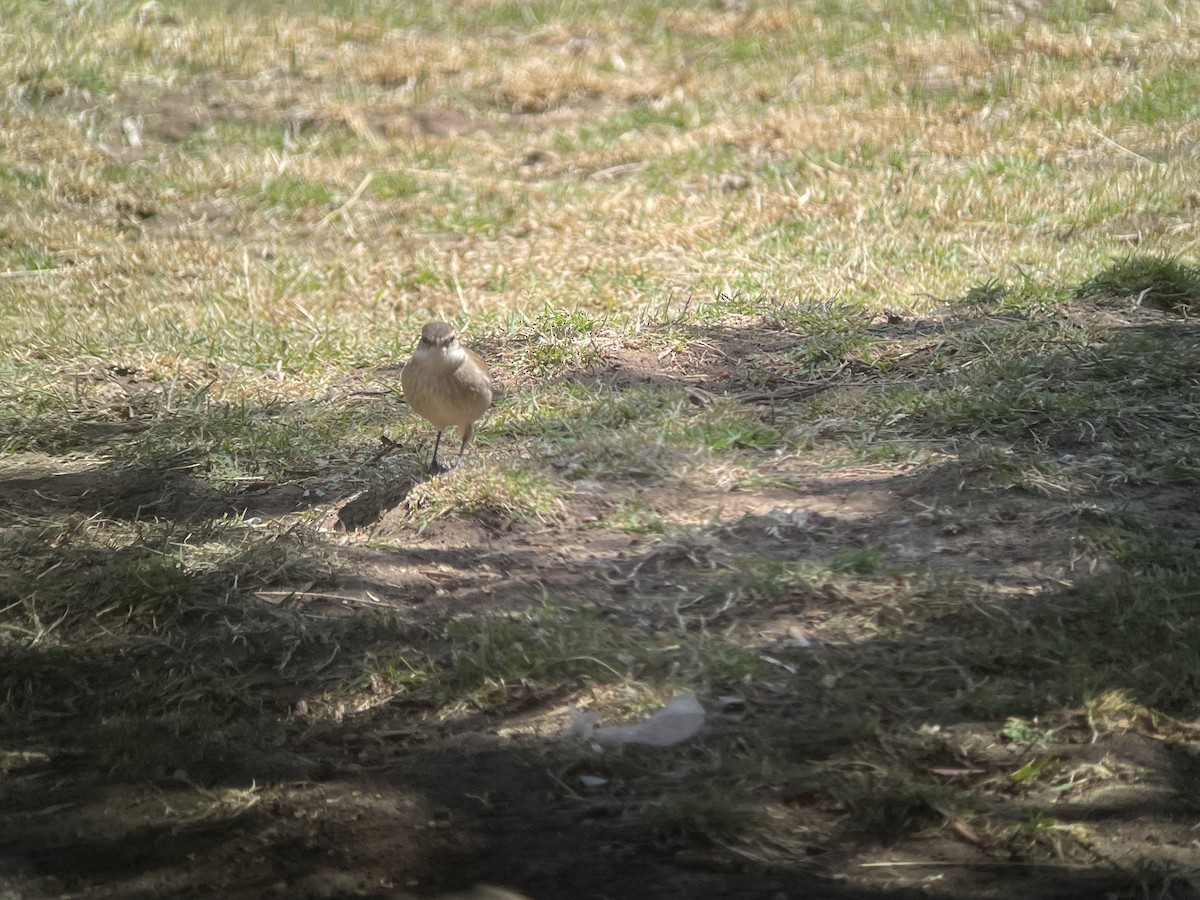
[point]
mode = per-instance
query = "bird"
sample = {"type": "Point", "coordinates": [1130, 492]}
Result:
{"type": "Point", "coordinates": [447, 384]}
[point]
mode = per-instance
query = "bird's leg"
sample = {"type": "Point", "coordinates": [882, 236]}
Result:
{"type": "Point", "coordinates": [466, 436]}
{"type": "Point", "coordinates": [434, 466]}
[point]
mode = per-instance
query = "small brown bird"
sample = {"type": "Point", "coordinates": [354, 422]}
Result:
{"type": "Point", "coordinates": [447, 384]}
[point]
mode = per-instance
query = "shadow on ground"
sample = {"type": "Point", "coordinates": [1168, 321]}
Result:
{"type": "Point", "coordinates": [196, 706]}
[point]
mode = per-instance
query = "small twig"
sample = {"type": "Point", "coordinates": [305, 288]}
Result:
{"type": "Point", "coordinates": [317, 595]}
{"type": "Point", "coordinates": [613, 171]}
{"type": "Point", "coordinates": [598, 662]}
{"type": "Point", "coordinates": [745, 854]}
{"type": "Point", "coordinates": [571, 792]}
{"type": "Point", "coordinates": [388, 446]}
{"type": "Point", "coordinates": [1104, 137]}
{"type": "Point", "coordinates": [29, 273]}
{"type": "Point", "coordinates": [341, 210]}
{"type": "Point", "coordinates": [323, 666]}
{"type": "Point", "coordinates": [790, 392]}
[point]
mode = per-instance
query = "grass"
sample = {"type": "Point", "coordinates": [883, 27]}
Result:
{"type": "Point", "coordinates": [1164, 282]}
{"type": "Point", "coordinates": [142, 623]}
{"type": "Point", "coordinates": [697, 813]}
{"type": "Point", "coordinates": [294, 194]}
{"type": "Point", "coordinates": [496, 498]}
{"type": "Point", "coordinates": [1150, 602]}
{"type": "Point", "coordinates": [887, 809]}
{"type": "Point", "coordinates": [723, 264]}
{"type": "Point", "coordinates": [493, 655]}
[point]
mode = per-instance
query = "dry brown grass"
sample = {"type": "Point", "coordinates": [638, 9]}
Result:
{"type": "Point", "coordinates": [894, 193]}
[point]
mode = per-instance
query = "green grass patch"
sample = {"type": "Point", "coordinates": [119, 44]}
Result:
{"type": "Point", "coordinates": [497, 497]}
{"type": "Point", "coordinates": [227, 136]}
{"type": "Point", "coordinates": [709, 813]}
{"type": "Point", "coordinates": [832, 332]}
{"type": "Point", "coordinates": [21, 256]}
{"type": "Point", "coordinates": [630, 123]}
{"type": "Point", "coordinates": [497, 657]}
{"type": "Point", "coordinates": [636, 517]}
{"type": "Point", "coordinates": [471, 213]}
{"type": "Point", "coordinates": [20, 178]}
{"type": "Point", "coordinates": [395, 186]}
{"type": "Point", "coordinates": [887, 807]}
{"type": "Point", "coordinates": [150, 621]}
{"type": "Point", "coordinates": [1132, 631]}
{"type": "Point", "coordinates": [727, 426]}
{"type": "Point", "coordinates": [494, 655]}
{"type": "Point", "coordinates": [1167, 95]}
{"type": "Point", "coordinates": [295, 193]}
{"type": "Point", "coordinates": [1165, 282]}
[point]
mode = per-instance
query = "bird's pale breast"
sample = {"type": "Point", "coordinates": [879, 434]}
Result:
{"type": "Point", "coordinates": [447, 394]}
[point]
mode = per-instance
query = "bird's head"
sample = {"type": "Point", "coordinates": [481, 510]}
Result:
{"type": "Point", "coordinates": [438, 336]}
